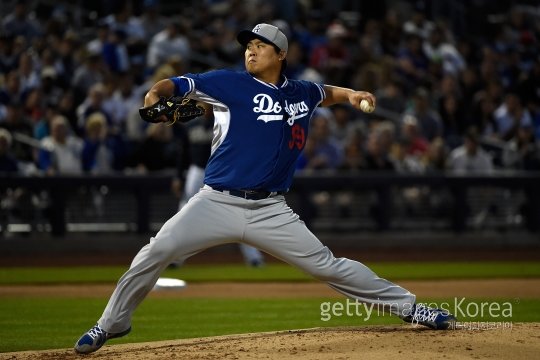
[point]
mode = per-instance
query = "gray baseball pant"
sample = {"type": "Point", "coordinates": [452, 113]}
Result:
{"type": "Point", "coordinates": [194, 182]}
{"type": "Point", "coordinates": [213, 218]}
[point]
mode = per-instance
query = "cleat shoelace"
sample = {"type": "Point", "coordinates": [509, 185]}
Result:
{"type": "Point", "coordinates": [96, 332]}
{"type": "Point", "coordinates": [424, 314]}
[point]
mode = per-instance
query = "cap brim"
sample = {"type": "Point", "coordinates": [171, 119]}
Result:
{"type": "Point", "coordinates": [246, 36]}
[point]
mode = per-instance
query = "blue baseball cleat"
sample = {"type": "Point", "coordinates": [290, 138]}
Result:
{"type": "Point", "coordinates": [436, 319]}
{"type": "Point", "coordinates": [95, 338]}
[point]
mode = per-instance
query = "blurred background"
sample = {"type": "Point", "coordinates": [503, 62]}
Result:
{"type": "Point", "coordinates": [450, 158]}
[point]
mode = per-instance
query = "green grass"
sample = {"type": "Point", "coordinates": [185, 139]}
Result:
{"type": "Point", "coordinates": [47, 323]}
{"type": "Point", "coordinates": [32, 324]}
{"type": "Point", "coordinates": [272, 272]}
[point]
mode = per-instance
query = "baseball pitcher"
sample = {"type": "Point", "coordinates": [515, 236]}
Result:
{"type": "Point", "coordinates": [260, 128]}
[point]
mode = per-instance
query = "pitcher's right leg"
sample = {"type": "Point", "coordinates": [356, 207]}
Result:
{"type": "Point", "coordinates": [202, 223]}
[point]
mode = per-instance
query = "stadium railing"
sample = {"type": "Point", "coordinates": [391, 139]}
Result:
{"type": "Point", "coordinates": [378, 201]}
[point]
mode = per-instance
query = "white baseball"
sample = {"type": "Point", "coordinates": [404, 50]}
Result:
{"type": "Point", "coordinates": [366, 106]}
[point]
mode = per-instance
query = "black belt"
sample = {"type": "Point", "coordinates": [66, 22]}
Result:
{"type": "Point", "coordinates": [251, 194]}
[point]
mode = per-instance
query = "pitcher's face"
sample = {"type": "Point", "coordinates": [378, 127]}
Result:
{"type": "Point", "coordinates": [261, 57]}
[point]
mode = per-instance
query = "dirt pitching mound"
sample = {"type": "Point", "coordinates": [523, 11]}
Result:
{"type": "Point", "coordinates": [518, 341]}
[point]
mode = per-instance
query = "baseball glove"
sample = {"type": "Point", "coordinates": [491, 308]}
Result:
{"type": "Point", "coordinates": [175, 108]}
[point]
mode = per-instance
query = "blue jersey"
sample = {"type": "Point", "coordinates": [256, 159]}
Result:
{"type": "Point", "coordinates": [260, 129]}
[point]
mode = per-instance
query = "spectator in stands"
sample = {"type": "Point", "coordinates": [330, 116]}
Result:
{"type": "Point", "coordinates": [535, 113]}
{"type": "Point", "coordinates": [18, 124]}
{"type": "Point", "coordinates": [322, 150]}
{"type": "Point", "coordinates": [488, 68]}
{"type": "Point", "coordinates": [207, 47]}
{"type": "Point", "coordinates": [344, 122]}
{"type": "Point", "coordinates": [115, 52]}
{"type": "Point", "coordinates": [66, 107]}
{"type": "Point", "coordinates": [89, 73]}
{"type": "Point", "coordinates": [519, 27]}
{"type": "Point", "coordinates": [469, 85]}
{"type": "Point", "coordinates": [435, 159]}
{"type": "Point", "coordinates": [414, 144]}
{"type": "Point", "coordinates": [50, 59]}
{"type": "Point", "coordinates": [377, 158]}
{"type": "Point", "coordinates": [93, 103]}
{"type": "Point", "coordinates": [95, 46]}
{"type": "Point", "coordinates": [454, 120]}
{"type": "Point", "coordinates": [406, 153]}
{"type": "Point", "coordinates": [529, 88]}
{"type": "Point", "coordinates": [470, 156]}
{"type": "Point", "coordinates": [157, 152]}
{"type": "Point", "coordinates": [19, 23]}
{"type": "Point", "coordinates": [494, 89]}
{"type": "Point", "coordinates": [11, 91]}
{"type": "Point", "coordinates": [332, 59]}
{"type": "Point", "coordinates": [522, 151]}
{"type": "Point", "coordinates": [130, 28]}
{"type": "Point", "coordinates": [403, 162]}
{"type": "Point", "coordinates": [42, 127]}
{"type": "Point", "coordinates": [429, 120]}
{"type": "Point", "coordinates": [120, 99]}
{"type": "Point", "coordinates": [174, 65]}
{"type": "Point", "coordinates": [28, 71]}
{"type": "Point", "coordinates": [510, 116]}
{"type": "Point", "coordinates": [8, 53]}
{"type": "Point", "coordinates": [391, 32]}
{"type": "Point", "coordinates": [296, 64]}
{"type": "Point", "coordinates": [510, 68]}
{"type": "Point", "coordinates": [228, 46]}
{"type": "Point", "coordinates": [354, 150]}
{"type": "Point", "coordinates": [66, 50]}
{"type": "Point", "coordinates": [311, 32]}
{"type": "Point", "coordinates": [390, 97]}
{"type": "Point", "coordinates": [50, 88]}
{"type": "Point", "coordinates": [369, 48]}
{"type": "Point", "coordinates": [168, 42]}
{"type": "Point", "coordinates": [482, 116]}
{"type": "Point", "coordinates": [151, 19]}
{"type": "Point", "coordinates": [447, 85]}
{"type": "Point", "coordinates": [97, 156]}
{"type": "Point", "coordinates": [440, 51]}
{"type": "Point", "coordinates": [102, 154]}
{"type": "Point", "coordinates": [435, 162]}
{"type": "Point", "coordinates": [412, 64]}
{"type": "Point", "coordinates": [369, 76]}
{"type": "Point", "coordinates": [8, 165]}
{"type": "Point", "coordinates": [135, 128]}
{"type": "Point", "coordinates": [8, 162]}
{"type": "Point", "coordinates": [61, 152]}
{"type": "Point", "coordinates": [418, 24]}
{"type": "Point", "coordinates": [378, 147]}
{"type": "Point", "coordinates": [33, 107]}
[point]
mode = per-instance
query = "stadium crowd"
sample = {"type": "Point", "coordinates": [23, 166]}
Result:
{"type": "Point", "coordinates": [458, 85]}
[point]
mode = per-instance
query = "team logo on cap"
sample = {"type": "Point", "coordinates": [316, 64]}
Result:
{"type": "Point", "coordinates": [257, 29]}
